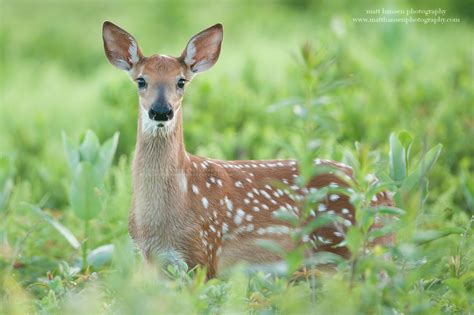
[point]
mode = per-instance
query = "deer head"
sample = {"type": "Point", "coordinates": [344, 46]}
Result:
{"type": "Point", "coordinates": [161, 79]}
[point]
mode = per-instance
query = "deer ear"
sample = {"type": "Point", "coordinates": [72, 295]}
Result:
{"type": "Point", "coordinates": [120, 47]}
{"type": "Point", "coordinates": [203, 49]}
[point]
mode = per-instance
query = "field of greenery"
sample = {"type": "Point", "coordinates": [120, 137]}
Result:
{"type": "Point", "coordinates": [296, 79]}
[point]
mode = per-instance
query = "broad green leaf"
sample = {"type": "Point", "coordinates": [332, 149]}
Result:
{"type": "Point", "coordinates": [100, 256]}
{"type": "Point", "coordinates": [426, 236]}
{"type": "Point", "coordinates": [106, 155]}
{"type": "Point", "coordinates": [425, 165]}
{"type": "Point", "coordinates": [64, 231]}
{"type": "Point", "coordinates": [398, 167]}
{"type": "Point", "coordinates": [86, 191]}
{"type": "Point", "coordinates": [72, 152]}
{"type": "Point", "coordinates": [90, 147]}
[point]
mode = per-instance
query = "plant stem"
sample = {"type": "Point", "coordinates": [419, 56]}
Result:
{"type": "Point", "coordinates": [84, 245]}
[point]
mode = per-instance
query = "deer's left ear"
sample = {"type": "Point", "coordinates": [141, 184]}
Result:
{"type": "Point", "coordinates": [120, 47]}
{"type": "Point", "coordinates": [203, 49]}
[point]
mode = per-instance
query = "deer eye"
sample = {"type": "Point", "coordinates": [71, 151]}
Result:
{"type": "Point", "coordinates": [141, 83]}
{"type": "Point", "coordinates": [181, 83]}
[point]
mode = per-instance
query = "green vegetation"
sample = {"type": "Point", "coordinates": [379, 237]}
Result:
{"type": "Point", "coordinates": [295, 79]}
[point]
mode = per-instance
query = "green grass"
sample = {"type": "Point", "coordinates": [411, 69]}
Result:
{"type": "Point", "coordinates": [355, 83]}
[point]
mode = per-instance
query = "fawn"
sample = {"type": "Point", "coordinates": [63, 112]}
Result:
{"type": "Point", "coordinates": [206, 211]}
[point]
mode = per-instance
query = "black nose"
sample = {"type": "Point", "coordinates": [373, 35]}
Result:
{"type": "Point", "coordinates": [161, 113]}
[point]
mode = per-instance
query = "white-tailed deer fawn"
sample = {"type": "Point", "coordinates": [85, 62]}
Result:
{"type": "Point", "coordinates": [208, 212]}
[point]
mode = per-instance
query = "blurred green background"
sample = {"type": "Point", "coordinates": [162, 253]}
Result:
{"type": "Point", "coordinates": [382, 78]}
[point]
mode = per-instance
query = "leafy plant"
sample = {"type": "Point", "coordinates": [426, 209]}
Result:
{"type": "Point", "coordinates": [88, 164]}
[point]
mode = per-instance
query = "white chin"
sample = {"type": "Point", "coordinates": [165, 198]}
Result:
{"type": "Point", "coordinates": [156, 128]}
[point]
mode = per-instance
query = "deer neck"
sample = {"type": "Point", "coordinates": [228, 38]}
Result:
{"type": "Point", "coordinates": [161, 154]}
{"type": "Point", "coordinates": [159, 188]}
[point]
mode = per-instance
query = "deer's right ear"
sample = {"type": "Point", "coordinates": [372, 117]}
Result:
{"type": "Point", "coordinates": [120, 47]}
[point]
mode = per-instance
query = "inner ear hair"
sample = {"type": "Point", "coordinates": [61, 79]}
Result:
{"type": "Point", "coordinates": [203, 49]}
{"type": "Point", "coordinates": [120, 47]}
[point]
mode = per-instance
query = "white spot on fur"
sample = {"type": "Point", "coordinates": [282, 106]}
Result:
{"type": "Point", "coordinates": [334, 197]}
{"type": "Point", "coordinates": [195, 189]}
{"type": "Point", "coordinates": [324, 240]}
{"type": "Point", "coordinates": [265, 194]}
{"type": "Point", "coordinates": [238, 218]}
{"type": "Point", "coordinates": [225, 228]}
{"type": "Point", "coordinates": [228, 202]}
{"type": "Point", "coordinates": [322, 207]}
{"type": "Point", "coordinates": [238, 184]}
{"type": "Point", "coordinates": [205, 203]}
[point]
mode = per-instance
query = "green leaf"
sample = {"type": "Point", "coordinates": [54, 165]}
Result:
{"type": "Point", "coordinates": [106, 154]}
{"type": "Point", "coordinates": [89, 148]}
{"type": "Point", "coordinates": [271, 246]}
{"type": "Point", "coordinates": [422, 237]}
{"type": "Point", "coordinates": [382, 231]}
{"type": "Point", "coordinates": [425, 165]}
{"type": "Point", "coordinates": [324, 258]}
{"type": "Point", "coordinates": [398, 167]}
{"type": "Point", "coordinates": [72, 153]}
{"type": "Point", "coordinates": [5, 191]}
{"type": "Point", "coordinates": [7, 171]}
{"type": "Point", "coordinates": [86, 190]}
{"type": "Point", "coordinates": [294, 259]}
{"type": "Point", "coordinates": [286, 216]}
{"type": "Point", "coordinates": [64, 231]}
{"type": "Point", "coordinates": [354, 239]}
{"type": "Point", "coordinates": [406, 139]}
{"type": "Point", "coordinates": [100, 256]}
{"type": "Point", "coordinates": [390, 210]}
{"type": "Point", "coordinates": [318, 222]}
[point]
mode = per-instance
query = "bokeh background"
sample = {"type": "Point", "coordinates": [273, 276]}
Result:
{"type": "Point", "coordinates": [375, 78]}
